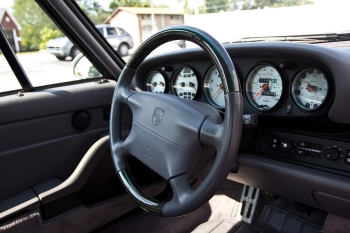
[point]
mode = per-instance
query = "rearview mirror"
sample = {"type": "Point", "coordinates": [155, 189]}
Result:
{"type": "Point", "coordinates": [82, 68]}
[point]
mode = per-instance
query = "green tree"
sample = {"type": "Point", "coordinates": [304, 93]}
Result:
{"type": "Point", "coordinates": [128, 3]}
{"type": "Point", "coordinates": [47, 34]}
{"type": "Point", "coordinates": [32, 19]}
{"type": "Point", "coordinates": [93, 10]}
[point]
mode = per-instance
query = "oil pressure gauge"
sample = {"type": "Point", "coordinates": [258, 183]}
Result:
{"type": "Point", "coordinates": [310, 89]}
{"type": "Point", "coordinates": [264, 87]}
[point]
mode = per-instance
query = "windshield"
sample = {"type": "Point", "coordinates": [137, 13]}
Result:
{"type": "Point", "coordinates": [49, 57]}
{"type": "Point", "coordinates": [229, 21]}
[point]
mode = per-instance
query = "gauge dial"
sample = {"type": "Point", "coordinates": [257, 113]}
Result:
{"type": "Point", "coordinates": [155, 82]}
{"type": "Point", "coordinates": [264, 87]}
{"type": "Point", "coordinates": [310, 89]}
{"type": "Point", "coordinates": [185, 84]}
{"type": "Point", "coordinates": [213, 88]}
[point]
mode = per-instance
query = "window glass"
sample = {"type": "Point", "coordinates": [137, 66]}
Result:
{"type": "Point", "coordinates": [120, 31]}
{"type": "Point", "coordinates": [135, 21]}
{"type": "Point", "coordinates": [44, 52]}
{"type": "Point", "coordinates": [8, 80]}
{"type": "Point", "coordinates": [228, 21]}
{"type": "Point", "coordinates": [101, 31]}
{"type": "Point", "coordinates": [111, 31]}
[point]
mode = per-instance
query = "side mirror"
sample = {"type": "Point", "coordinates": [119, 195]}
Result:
{"type": "Point", "coordinates": [82, 68]}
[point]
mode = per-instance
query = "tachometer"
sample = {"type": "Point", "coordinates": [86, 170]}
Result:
{"type": "Point", "coordinates": [213, 88]}
{"type": "Point", "coordinates": [155, 82]}
{"type": "Point", "coordinates": [264, 87]}
{"type": "Point", "coordinates": [185, 83]}
{"type": "Point", "coordinates": [310, 89]}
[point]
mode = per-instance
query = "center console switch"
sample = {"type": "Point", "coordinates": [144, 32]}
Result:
{"type": "Point", "coordinates": [323, 152]}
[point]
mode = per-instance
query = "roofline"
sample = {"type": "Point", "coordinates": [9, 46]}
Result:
{"type": "Point", "coordinates": [13, 19]}
{"type": "Point", "coordinates": [124, 9]}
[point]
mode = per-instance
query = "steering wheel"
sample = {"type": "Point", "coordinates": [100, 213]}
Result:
{"type": "Point", "coordinates": [169, 133]}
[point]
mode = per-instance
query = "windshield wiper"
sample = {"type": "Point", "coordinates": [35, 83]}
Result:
{"type": "Point", "coordinates": [310, 39]}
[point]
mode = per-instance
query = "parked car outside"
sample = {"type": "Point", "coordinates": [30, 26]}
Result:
{"type": "Point", "coordinates": [117, 37]}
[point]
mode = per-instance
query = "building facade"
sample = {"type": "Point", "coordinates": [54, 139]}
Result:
{"type": "Point", "coordinates": [137, 21]}
{"type": "Point", "coordinates": [11, 28]}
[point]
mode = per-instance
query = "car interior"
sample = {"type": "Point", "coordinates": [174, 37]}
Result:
{"type": "Point", "coordinates": [241, 137]}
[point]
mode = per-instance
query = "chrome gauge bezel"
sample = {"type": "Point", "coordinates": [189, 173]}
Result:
{"type": "Point", "coordinates": [164, 77]}
{"type": "Point", "coordinates": [206, 91]}
{"type": "Point", "coordinates": [324, 104]}
{"type": "Point", "coordinates": [282, 77]}
{"type": "Point", "coordinates": [174, 76]}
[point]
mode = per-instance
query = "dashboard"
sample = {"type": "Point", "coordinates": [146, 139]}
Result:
{"type": "Point", "coordinates": [298, 94]}
{"type": "Point", "coordinates": [300, 147]}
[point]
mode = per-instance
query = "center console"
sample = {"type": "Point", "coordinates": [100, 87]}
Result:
{"type": "Point", "coordinates": [316, 151]}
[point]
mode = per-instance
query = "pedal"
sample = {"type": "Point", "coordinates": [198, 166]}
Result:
{"type": "Point", "coordinates": [248, 203]}
{"type": "Point", "coordinates": [302, 208]}
{"type": "Point", "coordinates": [268, 196]}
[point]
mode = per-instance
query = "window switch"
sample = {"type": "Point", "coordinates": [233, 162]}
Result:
{"type": "Point", "coordinates": [347, 157]}
{"type": "Point", "coordinates": [274, 146]}
{"type": "Point", "coordinates": [347, 160]}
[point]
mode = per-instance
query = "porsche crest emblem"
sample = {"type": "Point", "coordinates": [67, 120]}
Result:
{"type": "Point", "coordinates": [157, 116]}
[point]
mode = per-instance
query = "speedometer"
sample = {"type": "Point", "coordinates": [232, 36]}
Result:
{"type": "Point", "coordinates": [264, 87]}
{"type": "Point", "coordinates": [185, 83]}
{"type": "Point", "coordinates": [310, 89]}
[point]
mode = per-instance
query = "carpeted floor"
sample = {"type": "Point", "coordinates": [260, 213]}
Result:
{"type": "Point", "coordinates": [335, 224]}
{"type": "Point", "coordinates": [223, 205]}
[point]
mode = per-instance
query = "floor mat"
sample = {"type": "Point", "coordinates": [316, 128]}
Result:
{"type": "Point", "coordinates": [275, 220]}
{"type": "Point", "coordinates": [335, 224]}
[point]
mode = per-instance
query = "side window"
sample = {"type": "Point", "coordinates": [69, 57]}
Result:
{"type": "Point", "coordinates": [44, 52]}
{"type": "Point", "coordinates": [101, 31]}
{"type": "Point", "coordinates": [8, 80]}
{"type": "Point", "coordinates": [120, 31]}
{"type": "Point", "coordinates": [111, 31]}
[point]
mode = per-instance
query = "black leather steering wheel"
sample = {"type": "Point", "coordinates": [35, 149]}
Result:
{"type": "Point", "coordinates": [169, 133]}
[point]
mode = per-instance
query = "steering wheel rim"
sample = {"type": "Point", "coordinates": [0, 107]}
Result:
{"type": "Point", "coordinates": [201, 122]}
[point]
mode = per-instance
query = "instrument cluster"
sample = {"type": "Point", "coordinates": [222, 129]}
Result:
{"type": "Point", "coordinates": [264, 87]}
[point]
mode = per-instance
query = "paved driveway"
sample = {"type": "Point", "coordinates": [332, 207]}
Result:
{"type": "Point", "coordinates": [43, 68]}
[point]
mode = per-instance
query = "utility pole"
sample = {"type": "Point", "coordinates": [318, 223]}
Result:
{"type": "Point", "coordinates": [152, 18]}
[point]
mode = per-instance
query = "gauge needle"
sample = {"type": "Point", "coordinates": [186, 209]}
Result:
{"type": "Point", "coordinates": [310, 89]}
{"type": "Point", "coordinates": [217, 92]}
{"type": "Point", "coordinates": [262, 89]}
{"type": "Point", "coordinates": [192, 86]}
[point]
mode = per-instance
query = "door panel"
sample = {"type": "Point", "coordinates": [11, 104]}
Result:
{"type": "Point", "coordinates": [38, 141]}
